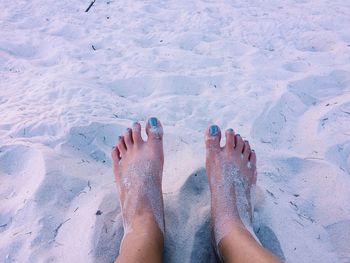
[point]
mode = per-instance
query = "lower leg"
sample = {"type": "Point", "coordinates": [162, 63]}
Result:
{"type": "Point", "coordinates": [144, 243]}
{"type": "Point", "coordinates": [239, 245]}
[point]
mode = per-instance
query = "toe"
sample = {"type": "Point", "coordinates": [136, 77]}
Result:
{"type": "Point", "coordinates": [128, 138]}
{"type": "Point", "coordinates": [212, 138]}
{"type": "Point", "coordinates": [252, 161]}
{"type": "Point", "coordinates": [136, 133]}
{"type": "Point", "coordinates": [154, 129]}
{"type": "Point", "coordinates": [252, 158]}
{"type": "Point", "coordinates": [121, 146]}
{"type": "Point", "coordinates": [230, 140]}
{"type": "Point", "coordinates": [239, 143]}
{"type": "Point", "coordinates": [115, 156]}
{"type": "Point", "coordinates": [246, 150]}
{"type": "Point", "coordinates": [115, 161]}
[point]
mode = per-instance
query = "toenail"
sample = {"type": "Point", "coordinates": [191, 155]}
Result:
{"type": "Point", "coordinates": [153, 122]}
{"type": "Point", "coordinates": [238, 135]}
{"type": "Point", "coordinates": [120, 137]}
{"type": "Point", "coordinates": [253, 151]}
{"type": "Point", "coordinates": [127, 129]}
{"type": "Point", "coordinates": [213, 130]}
{"type": "Point", "coordinates": [230, 130]}
{"type": "Point", "coordinates": [246, 141]}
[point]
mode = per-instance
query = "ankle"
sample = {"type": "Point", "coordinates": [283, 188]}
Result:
{"type": "Point", "coordinates": [145, 225]}
{"type": "Point", "coordinates": [143, 235]}
{"type": "Point", "coordinates": [224, 226]}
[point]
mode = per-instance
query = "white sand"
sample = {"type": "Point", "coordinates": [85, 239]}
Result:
{"type": "Point", "coordinates": [278, 72]}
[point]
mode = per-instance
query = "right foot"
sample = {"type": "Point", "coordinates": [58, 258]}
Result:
{"type": "Point", "coordinates": [138, 167]}
{"type": "Point", "coordinates": [232, 174]}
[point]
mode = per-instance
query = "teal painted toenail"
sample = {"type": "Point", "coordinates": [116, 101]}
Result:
{"type": "Point", "coordinates": [213, 130]}
{"type": "Point", "coordinates": [120, 137]}
{"type": "Point", "coordinates": [230, 130]}
{"type": "Point", "coordinates": [238, 135]}
{"type": "Point", "coordinates": [153, 122]}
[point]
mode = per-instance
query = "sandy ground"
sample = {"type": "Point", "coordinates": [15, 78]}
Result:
{"type": "Point", "coordinates": [71, 81]}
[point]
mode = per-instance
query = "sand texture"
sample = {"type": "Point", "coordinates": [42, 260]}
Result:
{"type": "Point", "coordinates": [277, 72]}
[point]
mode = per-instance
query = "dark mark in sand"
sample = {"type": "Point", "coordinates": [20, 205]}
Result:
{"type": "Point", "coordinates": [99, 212]}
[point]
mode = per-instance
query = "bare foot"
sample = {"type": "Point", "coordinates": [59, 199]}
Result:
{"type": "Point", "coordinates": [231, 172]}
{"type": "Point", "coordinates": [138, 168]}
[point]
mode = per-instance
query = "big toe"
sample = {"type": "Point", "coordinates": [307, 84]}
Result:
{"type": "Point", "coordinates": [154, 129]}
{"type": "Point", "coordinates": [212, 138]}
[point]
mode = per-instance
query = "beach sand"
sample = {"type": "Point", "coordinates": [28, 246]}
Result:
{"type": "Point", "coordinates": [277, 72]}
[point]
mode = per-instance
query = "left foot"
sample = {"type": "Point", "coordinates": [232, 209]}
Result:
{"type": "Point", "coordinates": [138, 168]}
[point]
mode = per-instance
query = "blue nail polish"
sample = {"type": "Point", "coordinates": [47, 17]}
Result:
{"type": "Point", "coordinates": [230, 130]}
{"type": "Point", "coordinates": [238, 135]}
{"type": "Point", "coordinates": [120, 137]}
{"type": "Point", "coordinates": [153, 121]}
{"type": "Point", "coordinates": [213, 130]}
